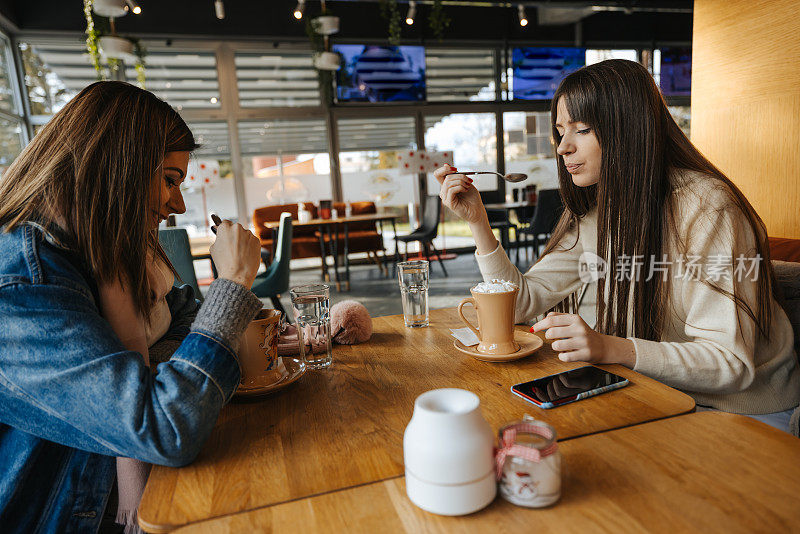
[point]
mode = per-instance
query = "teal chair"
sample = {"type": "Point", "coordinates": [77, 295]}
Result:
{"type": "Point", "coordinates": [175, 242]}
{"type": "Point", "coordinates": [275, 280]}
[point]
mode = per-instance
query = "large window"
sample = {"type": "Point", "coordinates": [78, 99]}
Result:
{"type": "Point", "coordinates": [186, 79]}
{"type": "Point", "coordinates": [281, 130]}
{"type": "Point", "coordinates": [596, 56]}
{"type": "Point", "coordinates": [12, 134]}
{"type": "Point", "coordinates": [10, 142]}
{"type": "Point", "coordinates": [529, 149]}
{"type": "Point", "coordinates": [7, 101]}
{"type": "Point", "coordinates": [472, 139]}
{"type": "Point", "coordinates": [683, 116]}
{"type": "Point", "coordinates": [56, 70]}
{"type": "Point", "coordinates": [368, 160]}
{"type": "Point", "coordinates": [457, 74]}
{"type": "Point", "coordinates": [285, 161]}
{"type": "Point", "coordinates": [208, 186]}
{"type": "Point", "coordinates": [279, 78]}
{"type": "Point", "coordinates": [54, 73]}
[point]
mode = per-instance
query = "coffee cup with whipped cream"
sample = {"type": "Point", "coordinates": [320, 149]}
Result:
{"type": "Point", "coordinates": [495, 302]}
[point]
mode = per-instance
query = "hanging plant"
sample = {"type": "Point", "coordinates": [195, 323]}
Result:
{"type": "Point", "coordinates": [91, 40]}
{"type": "Point", "coordinates": [93, 37]}
{"type": "Point", "coordinates": [438, 20]}
{"type": "Point", "coordinates": [141, 52]}
{"type": "Point", "coordinates": [391, 13]}
{"type": "Point", "coordinates": [324, 77]}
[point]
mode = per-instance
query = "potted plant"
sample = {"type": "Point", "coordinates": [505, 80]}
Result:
{"type": "Point", "coordinates": [327, 61]}
{"type": "Point", "coordinates": [438, 21]}
{"type": "Point", "coordinates": [113, 46]}
{"type": "Point", "coordinates": [324, 60]}
{"type": "Point", "coordinates": [326, 24]}
{"type": "Point", "coordinates": [390, 12]}
{"type": "Point", "coordinates": [106, 49]}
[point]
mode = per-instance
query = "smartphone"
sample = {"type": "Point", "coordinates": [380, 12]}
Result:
{"type": "Point", "coordinates": [569, 386]}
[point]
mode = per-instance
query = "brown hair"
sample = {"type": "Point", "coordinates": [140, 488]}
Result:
{"type": "Point", "coordinates": [641, 147]}
{"type": "Point", "coordinates": [92, 170]}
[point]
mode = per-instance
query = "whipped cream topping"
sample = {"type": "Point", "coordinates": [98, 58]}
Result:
{"type": "Point", "coordinates": [495, 286]}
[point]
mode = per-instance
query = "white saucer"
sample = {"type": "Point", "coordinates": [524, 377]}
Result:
{"type": "Point", "coordinates": [295, 369]}
{"type": "Point", "coordinates": [528, 344]}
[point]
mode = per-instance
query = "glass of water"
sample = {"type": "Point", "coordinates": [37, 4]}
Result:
{"type": "Point", "coordinates": [311, 305]}
{"type": "Point", "coordinates": [413, 276]}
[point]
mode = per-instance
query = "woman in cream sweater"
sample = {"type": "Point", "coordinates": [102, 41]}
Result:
{"type": "Point", "coordinates": [685, 290]}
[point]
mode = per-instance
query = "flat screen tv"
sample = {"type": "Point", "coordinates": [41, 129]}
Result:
{"type": "Point", "coordinates": [539, 70]}
{"type": "Point", "coordinates": [380, 73]}
{"type": "Point", "coordinates": [676, 71]}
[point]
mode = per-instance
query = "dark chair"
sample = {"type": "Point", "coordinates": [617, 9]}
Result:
{"type": "Point", "coordinates": [275, 280]}
{"type": "Point", "coordinates": [498, 219]}
{"type": "Point", "coordinates": [175, 242]}
{"type": "Point", "coordinates": [426, 233]}
{"type": "Point", "coordinates": [787, 280]}
{"type": "Point", "coordinates": [548, 209]}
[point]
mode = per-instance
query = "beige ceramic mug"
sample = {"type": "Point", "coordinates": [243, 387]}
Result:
{"type": "Point", "coordinates": [495, 319]}
{"type": "Point", "coordinates": [258, 349]}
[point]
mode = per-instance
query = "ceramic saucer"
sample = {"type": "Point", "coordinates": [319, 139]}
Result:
{"type": "Point", "coordinates": [294, 370]}
{"type": "Point", "coordinates": [528, 344]}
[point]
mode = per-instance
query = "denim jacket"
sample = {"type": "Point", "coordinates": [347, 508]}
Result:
{"type": "Point", "coordinates": [72, 397]}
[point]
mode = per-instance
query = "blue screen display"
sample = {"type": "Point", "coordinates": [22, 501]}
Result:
{"type": "Point", "coordinates": [538, 71]}
{"type": "Point", "coordinates": [676, 71]}
{"type": "Point", "coordinates": [380, 73]}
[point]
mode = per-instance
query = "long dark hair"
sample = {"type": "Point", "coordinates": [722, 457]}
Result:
{"type": "Point", "coordinates": [93, 168]}
{"type": "Point", "coordinates": [642, 147]}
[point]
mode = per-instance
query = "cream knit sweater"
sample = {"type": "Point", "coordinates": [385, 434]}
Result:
{"type": "Point", "coordinates": [704, 350]}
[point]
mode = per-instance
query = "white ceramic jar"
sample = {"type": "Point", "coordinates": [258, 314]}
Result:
{"type": "Point", "coordinates": [448, 449]}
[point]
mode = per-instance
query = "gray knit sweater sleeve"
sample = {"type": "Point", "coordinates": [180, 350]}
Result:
{"type": "Point", "coordinates": [226, 312]}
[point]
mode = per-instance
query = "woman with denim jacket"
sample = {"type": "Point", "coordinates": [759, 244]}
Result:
{"type": "Point", "coordinates": [83, 308]}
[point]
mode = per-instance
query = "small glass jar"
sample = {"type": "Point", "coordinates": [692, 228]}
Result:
{"type": "Point", "coordinates": [530, 473]}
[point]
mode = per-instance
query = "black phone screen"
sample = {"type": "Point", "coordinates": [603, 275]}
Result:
{"type": "Point", "coordinates": [567, 384]}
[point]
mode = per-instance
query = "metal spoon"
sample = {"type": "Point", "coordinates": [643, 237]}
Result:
{"type": "Point", "coordinates": [513, 177]}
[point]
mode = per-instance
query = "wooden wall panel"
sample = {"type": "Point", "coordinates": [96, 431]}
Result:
{"type": "Point", "coordinates": [746, 101]}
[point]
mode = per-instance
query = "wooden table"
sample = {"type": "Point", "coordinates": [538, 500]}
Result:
{"type": "Point", "coordinates": [329, 227]}
{"type": "Point", "coordinates": [343, 427]}
{"type": "Point", "coordinates": [508, 206]}
{"type": "Point", "coordinates": [200, 250]}
{"type": "Point", "coordinates": [200, 247]}
{"type": "Point", "coordinates": [703, 472]}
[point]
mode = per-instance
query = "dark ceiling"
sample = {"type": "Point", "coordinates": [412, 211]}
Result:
{"type": "Point", "coordinates": [642, 22]}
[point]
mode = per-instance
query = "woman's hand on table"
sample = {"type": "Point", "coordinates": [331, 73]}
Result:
{"type": "Point", "coordinates": [575, 341]}
{"type": "Point", "coordinates": [236, 253]}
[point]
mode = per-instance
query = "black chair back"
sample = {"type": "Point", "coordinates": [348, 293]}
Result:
{"type": "Point", "coordinates": [549, 208]}
{"type": "Point", "coordinates": [430, 218]}
{"type": "Point", "coordinates": [425, 233]}
{"type": "Point", "coordinates": [495, 216]}
{"type": "Point", "coordinates": [526, 213]}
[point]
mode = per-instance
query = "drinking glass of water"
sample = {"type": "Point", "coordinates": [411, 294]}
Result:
{"type": "Point", "coordinates": [311, 305]}
{"type": "Point", "coordinates": [413, 276]}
